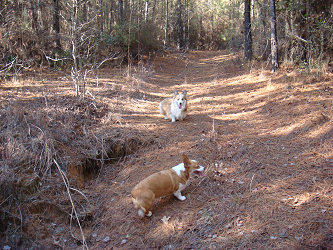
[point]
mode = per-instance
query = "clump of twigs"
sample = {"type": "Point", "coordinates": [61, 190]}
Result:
{"type": "Point", "coordinates": [41, 140]}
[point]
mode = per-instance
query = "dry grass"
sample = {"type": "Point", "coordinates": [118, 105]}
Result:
{"type": "Point", "coordinates": [265, 139]}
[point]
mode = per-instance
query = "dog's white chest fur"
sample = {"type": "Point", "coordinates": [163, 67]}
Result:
{"type": "Point", "coordinates": [178, 169]}
{"type": "Point", "coordinates": [176, 112]}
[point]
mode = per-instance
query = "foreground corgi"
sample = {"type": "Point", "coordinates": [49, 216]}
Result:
{"type": "Point", "coordinates": [175, 108]}
{"type": "Point", "coordinates": [171, 181]}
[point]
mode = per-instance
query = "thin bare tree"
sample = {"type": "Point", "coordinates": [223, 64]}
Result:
{"type": "Point", "coordinates": [274, 43]}
{"type": "Point", "coordinates": [247, 30]}
{"type": "Point", "coordinates": [56, 24]}
{"type": "Point", "coordinates": [180, 36]}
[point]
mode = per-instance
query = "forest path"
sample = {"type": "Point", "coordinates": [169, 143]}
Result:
{"type": "Point", "coordinates": [255, 132]}
{"type": "Point", "coordinates": [264, 138]}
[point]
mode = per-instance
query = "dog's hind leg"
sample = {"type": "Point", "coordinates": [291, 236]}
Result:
{"type": "Point", "coordinates": [163, 112]}
{"type": "Point", "coordinates": [149, 200]}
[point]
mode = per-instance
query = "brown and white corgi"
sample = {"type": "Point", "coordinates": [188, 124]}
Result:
{"type": "Point", "coordinates": [175, 108]}
{"type": "Point", "coordinates": [171, 181]}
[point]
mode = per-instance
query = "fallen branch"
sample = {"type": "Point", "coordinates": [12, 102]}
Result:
{"type": "Point", "coordinates": [297, 37]}
{"type": "Point", "coordinates": [66, 182]}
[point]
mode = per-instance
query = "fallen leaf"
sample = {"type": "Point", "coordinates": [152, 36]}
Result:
{"type": "Point", "coordinates": [165, 219]}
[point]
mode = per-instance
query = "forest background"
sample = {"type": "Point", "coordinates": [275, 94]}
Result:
{"type": "Point", "coordinates": [87, 34]}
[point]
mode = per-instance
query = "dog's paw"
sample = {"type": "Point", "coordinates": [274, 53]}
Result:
{"type": "Point", "coordinates": [182, 198]}
{"type": "Point", "coordinates": [179, 195]}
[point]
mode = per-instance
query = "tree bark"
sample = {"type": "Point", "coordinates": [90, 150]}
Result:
{"type": "Point", "coordinates": [308, 45]}
{"type": "Point", "coordinates": [154, 10]}
{"type": "Point", "coordinates": [146, 10]}
{"type": "Point", "coordinates": [166, 30]}
{"type": "Point", "coordinates": [180, 37]}
{"type": "Point", "coordinates": [247, 31]}
{"type": "Point", "coordinates": [264, 41]}
{"type": "Point", "coordinates": [274, 44]}
{"type": "Point", "coordinates": [34, 16]}
{"type": "Point", "coordinates": [120, 11]}
{"type": "Point", "coordinates": [74, 25]}
{"type": "Point", "coordinates": [187, 25]}
{"type": "Point", "coordinates": [101, 18]}
{"type": "Point", "coordinates": [56, 24]}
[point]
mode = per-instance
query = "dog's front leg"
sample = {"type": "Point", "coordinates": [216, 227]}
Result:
{"type": "Point", "coordinates": [179, 195]}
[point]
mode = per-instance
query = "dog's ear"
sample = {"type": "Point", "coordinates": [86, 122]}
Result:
{"type": "Point", "coordinates": [175, 92]}
{"type": "Point", "coordinates": [185, 93]}
{"type": "Point", "coordinates": [186, 161]}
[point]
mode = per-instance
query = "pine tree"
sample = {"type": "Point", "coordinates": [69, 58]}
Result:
{"type": "Point", "coordinates": [274, 44]}
{"type": "Point", "coordinates": [247, 31]}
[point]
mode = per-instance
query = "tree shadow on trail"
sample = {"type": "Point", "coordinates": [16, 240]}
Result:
{"type": "Point", "coordinates": [199, 71]}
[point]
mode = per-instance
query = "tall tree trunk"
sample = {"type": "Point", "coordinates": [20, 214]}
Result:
{"type": "Point", "coordinates": [154, 10]}
{"type": "Point", "coordinates": [252, 9]}
{"type": "Point", "coordinates": [120, 11]}
{"type": "Point", "coordinates": [146, 10]}
{"type": "Point", "coordinates": [74, 43]}
{"type": "Point", "coordinates": [180, 38]}
{"type": "Point", "coordinates": [125, 10]}
{"type": "Point", "coordinates": [101, 18]}
{"type": "Point", "coordinates": [34, 16]}
{"type": "Point", "coordinates": [247, 31]}
{"type": "Point", "coordinates": [2, 7]}
{"type": "Point", "coordinates": [232, 42]}
{"type": "Point", "coordinates": [187, 25]}
{"type": "Point", "coordinates": [166, 30]}
{"type": "Point", "coordinates": [56, 23]}
{"type": "Point", "coordinates": [263, 43]}
{"type": "Point", "coordinates": [111, 14]}
{"type": "Point", "coordinates": [308, 45]}
{"type": "Point", "coordinates": [274, 44]}
{"type": "Point", "coordinates": [287, 31]}
{"type": "Point", "coordinates": [129, 62]}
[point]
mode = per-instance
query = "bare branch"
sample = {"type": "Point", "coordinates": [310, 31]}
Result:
{"type": "Point", "coordinates": [66, 182]}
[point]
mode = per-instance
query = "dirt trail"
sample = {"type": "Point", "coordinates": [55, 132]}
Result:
{"type": "Point", "coordinates": [265, 140]}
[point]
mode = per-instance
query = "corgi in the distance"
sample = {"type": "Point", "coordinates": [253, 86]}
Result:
{"type": "Point", "coordinates": [175, 108]}
{"type": "Point", "coordinates": [171, 181]}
